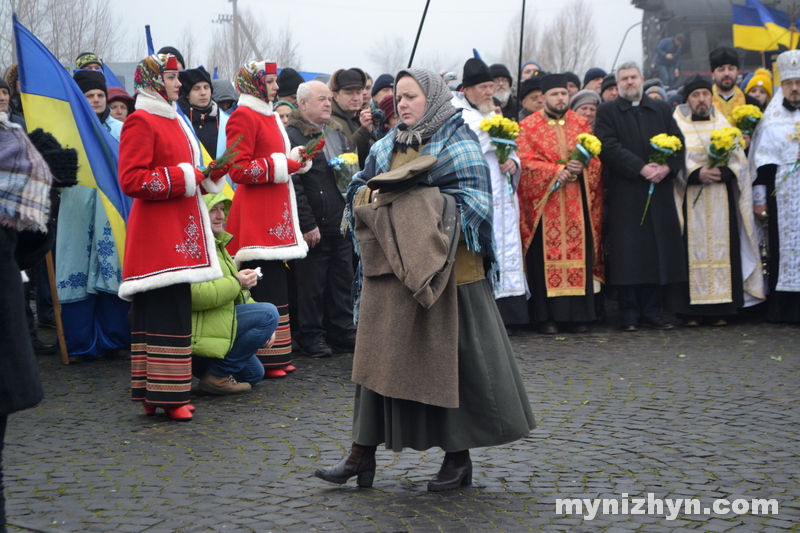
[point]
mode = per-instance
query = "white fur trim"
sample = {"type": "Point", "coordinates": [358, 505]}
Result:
{"type": "Point", "coordinates": [287, 253]}
{"type": "Point", "coordinates": [295, 156]}
{"type": "Point", "coordinates": [188, 177]}
{"type": "Point", "coordinates": [280, 170]}
{"type": "Point", "coordinates": [154, 104]}
{"type": "Point", "coordinates": [189, 275]}
{"type": "Point", "coordinates": [256, 104]}
{"type": "Point", "coordinates": [213, 187]}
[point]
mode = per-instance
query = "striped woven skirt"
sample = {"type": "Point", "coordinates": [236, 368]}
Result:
{"type": "Point", "coordinates": [273, 288]}
{"type": "Point", "coordinates": [161, 345]}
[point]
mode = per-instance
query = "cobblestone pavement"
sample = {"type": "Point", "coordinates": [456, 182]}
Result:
{"type": "Point", "coordinates": [703, 413]}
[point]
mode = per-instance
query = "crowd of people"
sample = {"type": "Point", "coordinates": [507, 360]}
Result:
{"type": "Point", "coordinates": [274, 215]}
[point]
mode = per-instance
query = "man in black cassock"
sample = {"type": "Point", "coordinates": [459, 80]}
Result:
{"type": "Point", "coordinates": [643, 257]}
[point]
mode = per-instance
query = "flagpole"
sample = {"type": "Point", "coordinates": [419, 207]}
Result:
{"type": "Point", "coordinates": [419, 31]}
{"type": "Point", "coordinates": [521, 44]}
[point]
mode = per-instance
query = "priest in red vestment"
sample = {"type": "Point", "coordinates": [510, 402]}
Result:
{"type": "Point", "coordinates": [560, 228]}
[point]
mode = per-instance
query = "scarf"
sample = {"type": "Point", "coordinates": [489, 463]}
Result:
{"type": "Point", "coordinates": [25, 181]}
{"type": "Point", "coordinates": [148, 74]}
{"type": "Point", "coordinates": [251, 80]}
{"type": "Point", "coordinates": [438, 108]}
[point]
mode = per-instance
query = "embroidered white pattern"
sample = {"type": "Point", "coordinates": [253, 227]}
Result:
{"type": "Point", "coordinates": [254, 171]}
{"type": "Point", "coordinates": [190, 247]}
{"type": "Point", "coordinates": [155, 185]}
{"type": "Point", "coordinates": [284, 230]}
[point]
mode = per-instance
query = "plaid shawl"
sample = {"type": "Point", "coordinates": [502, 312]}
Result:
{"type": "Point", "coordinates": [461, 172]}
{"type": "Point", "coordinates": [24, 181]}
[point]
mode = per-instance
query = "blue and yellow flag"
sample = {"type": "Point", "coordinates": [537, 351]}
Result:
{"type": "Point", "coordinates": [54, 102]}
{"type": "Point", "coordinates": [762, 28]}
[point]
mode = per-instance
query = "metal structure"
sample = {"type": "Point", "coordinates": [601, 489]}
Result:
{"type": "Point", "coordinates": [707, 24]}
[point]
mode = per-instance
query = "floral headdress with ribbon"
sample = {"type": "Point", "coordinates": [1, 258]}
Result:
{"type": "Point", "coordinates": [252, 78]}
{"type": "Point", "coordinates": [149, 71]}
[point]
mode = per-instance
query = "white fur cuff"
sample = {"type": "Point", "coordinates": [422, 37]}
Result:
{"type": "Point", "coordinates": [188, 178]}
{"type": "Point", "coordinates": [280, 170]}
{"type": "Point", "coordinates": [211, 186]}
{"type": "Point", "coordinates": [295, 155]}
{"type": "Point", "coordinates": [759, 195]}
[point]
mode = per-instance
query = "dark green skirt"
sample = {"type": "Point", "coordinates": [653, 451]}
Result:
{"type": "Point", "coordinates": [493, 405]}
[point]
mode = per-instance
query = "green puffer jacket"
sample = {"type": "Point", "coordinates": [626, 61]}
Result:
{"type": "Point", "coordinates": [214, 302]}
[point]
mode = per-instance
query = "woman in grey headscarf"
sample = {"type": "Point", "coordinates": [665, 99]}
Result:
{"type": "Point", "coordinates": [433, 366]}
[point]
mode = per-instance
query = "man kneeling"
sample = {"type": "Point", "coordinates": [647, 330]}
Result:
{"type": "Point", "coordinates": [227, 325]}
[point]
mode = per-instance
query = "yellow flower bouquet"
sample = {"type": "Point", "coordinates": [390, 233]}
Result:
{"type": "Point", "coordinates": [723, 142]}
{"type": "Point", "coordinates": [344, 166]}
{"type": "Point", "coordinates": [746, 117]}
{"type": "Point", "coordinates": [502, 132]}
{"type": "Point", "coordinates": [588, 146]}
{"type": "Point", "coordinates": [664, 147]}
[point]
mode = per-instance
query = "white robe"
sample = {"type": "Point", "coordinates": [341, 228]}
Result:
{"type": "Point", "coordinates": [505, 220]}
{"type": "Point", "coordinates": [774, 144]}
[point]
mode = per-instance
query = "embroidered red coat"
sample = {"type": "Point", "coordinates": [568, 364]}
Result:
{"type": "Point", "coordinates": [263, 218]}
{"type": "Point", "coordinates": [169, 238]}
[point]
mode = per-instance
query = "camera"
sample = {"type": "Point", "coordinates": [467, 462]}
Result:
{"type": "Point", "coordinates": [449, 76]}
{"type": "Point", "coordinates": [378, 117]}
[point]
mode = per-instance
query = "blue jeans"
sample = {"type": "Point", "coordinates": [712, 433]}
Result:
{"type": "Point", "coordinates": [255, 324]}
{"type": "Point", "coordinates": [666, 73]}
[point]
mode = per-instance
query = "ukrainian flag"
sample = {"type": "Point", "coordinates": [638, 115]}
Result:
{"type": "Point", "coordinates": [762, 28]}
{"type": "Point", "coordinates": [54, 102]}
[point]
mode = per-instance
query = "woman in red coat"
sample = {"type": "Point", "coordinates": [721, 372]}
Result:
{"type": "Point", "coordinates": [263, 218]}
{"type": "Point", "coordinates": [169, 242]}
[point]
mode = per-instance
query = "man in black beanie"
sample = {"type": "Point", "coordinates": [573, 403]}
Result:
{"type": "Point", "coordinates": [724, 72]}
{"type": "Point", "coordinates": [609, 91]}
{"type": "Point", "coordinates": [476, 104]}
{"type": "Point", "coordinates": [202, 111]}
{"type": "Point", "coordinates": [288, 82]}
{"type": "Point", "coordinates": [93, 86]}
{"type": "Point", "coordinates": [502, 91]}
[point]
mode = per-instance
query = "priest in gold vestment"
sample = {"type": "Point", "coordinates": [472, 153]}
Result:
{"type": "Point", "coordinates": [715, 203]}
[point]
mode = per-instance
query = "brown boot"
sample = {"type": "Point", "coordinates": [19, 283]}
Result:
{"type": "Point", "coordinates": [359, 461]}
{"type": "Point", "coordinates": [222, 385]}
{"type": "Point", "coordinates": [456, 471]}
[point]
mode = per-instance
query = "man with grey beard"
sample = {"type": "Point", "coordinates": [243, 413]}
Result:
{"type": "Point", "coordinates": [645, 253]}
{"type": "Point", "coordinates": [502, 91]}
{"type": "Point", "coordinates": [475, 103]}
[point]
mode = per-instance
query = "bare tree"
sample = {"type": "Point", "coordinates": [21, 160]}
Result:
{"type": "Point", "coordinates": [254, 43]}
{"type": "Point", "coordinates": [570, 42]}
{"type": "Point", "coordinates": [390, 54]}
{"type": "Point", "coordinates": [64, 27]}
{"type": "Point", "coordinates": [187, 44]}
{"type": "Point", "coordinates": [530, 49]}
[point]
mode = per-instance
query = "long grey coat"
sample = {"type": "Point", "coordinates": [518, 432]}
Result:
{"type": "Point", "coordinates": [407, 340]}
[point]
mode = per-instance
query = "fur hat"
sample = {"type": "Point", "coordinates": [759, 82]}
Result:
{"type": "Point", "coordinates": [475, 72]}
{"type": "Point", "coordinates": [723, 55]}
{"type": "Point", "coordinates": [501, 71]}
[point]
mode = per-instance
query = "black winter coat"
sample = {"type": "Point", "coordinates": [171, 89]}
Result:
{"type": "Point", "coordinates": [651, 253]}
{"type": "Point", "coordinates": [319, 202]}
{"type": "Point", "coordinates": [20, 386]}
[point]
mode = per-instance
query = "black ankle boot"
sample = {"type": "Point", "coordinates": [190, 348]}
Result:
{"type": "Point", "coordinates": [456, 471]}
{"type": "Point", "coordinates": [360, 461]}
